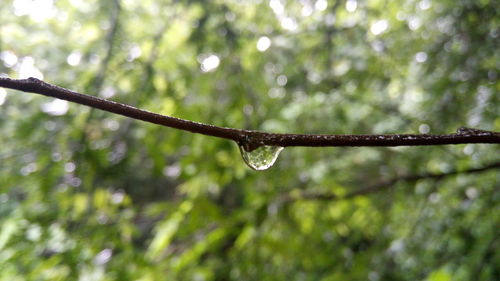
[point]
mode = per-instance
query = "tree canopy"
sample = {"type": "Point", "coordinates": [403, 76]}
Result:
{"type": "Point", "coordinates": [90, 195]}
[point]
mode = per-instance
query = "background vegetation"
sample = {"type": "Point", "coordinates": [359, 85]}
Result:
{"type": "Point", "coordinates": [88, 195]}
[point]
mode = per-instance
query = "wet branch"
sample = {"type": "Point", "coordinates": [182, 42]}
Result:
{"type": "Point", "coordinates": [250, 140]}
{"type": "Point", "coordinates": [387, 184]}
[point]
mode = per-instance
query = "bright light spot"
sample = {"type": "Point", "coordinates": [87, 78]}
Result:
{"type": "Point", "coordinates": [397, 246]}
{"type": "Point", "coordinates": [117, 197]}
{"type": "Point", "coordinates": [9, 58]}
{"type": "Point", "coordinates": [3, 95]}
{"type": "Point", "coordinates": [493, 33]}
{"type": "Point", "coordinates": [306, 11]}
{"type": "Point", "coordinates": [56, 107]}
{"type": "Point", "coordinates": [321, 5]}
{"type": "Point", "coordinates": [111, 124]}
{"type": "Point", "coordinates": [69, 167]}
{"type": "Point", "coordinates": [282, 80]}
{"type": "Point", "coordinates": [415, 95]}
{"type": "Point", "coordinates": [471, 192]}
{"type": "Point", "coordinates": [248, 109]}
{"type": "Point", "coordinates": [469, 149]}
{"type": "Point", "coordinates": [38, 10]}
{"type": "Point", "coordinates": [434, 197]}
{"type": "Point", "coordinates": [378, 46]}
{"type": "Point", "coordinates": [277, 7]}
{"type": "Point", "coordinates": [210, 63]}
{"type": "Point", "coordinates": [289, 24]}
{"type": "Point", "coordinates": [424, 129]}
{"type": "Point", "coordinates": [103, 257]}
{"type": "Point", "coordinates": [134, 53]}
{"type": "Point", "coordinates": [108, 92]}
{"type": "Point", "coordinates": [414, 23]}
{"type": "Point", "coordinates": [314, 77]}
{"type": "Point", "coordinates": [424, 4]}
{"type": "Point", "coordinates": [34, 232]}
{"type": "Point", "coordinates": [351, 5]}
{"type": "Point", "coordinates": [400, 16]}
{"type": "Point", "coordinates": [341, 68]}
{"type": "Point", "coordinates": [74, 58]}
{"type": "Point", "coordinates": [330, 19]}
{"type": "Point", "coordinates": [276, 93]}
{"type": "Point", "coordinates": [263, 43]}
{"type": "Point", "coordinates": [28, 169]}
{"type": "Point", "coordinates": [172, 171]}
{"type": "Point", "coordinates": [27, 69]}
{"type": "Point", "coordinates": [421, 57]}
{"type": "Point", "coordinates": [379, 26]}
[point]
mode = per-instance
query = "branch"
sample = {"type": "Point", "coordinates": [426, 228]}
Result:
{"type": "Point", "coordinates": [250, 140]}
{"type": "Point", "coordinates": [386, 184]}
{"type": "Point", "coordinates": [110, 42]}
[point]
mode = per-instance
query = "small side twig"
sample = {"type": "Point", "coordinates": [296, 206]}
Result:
{"type": "Point", "coordinates": [386, 184]}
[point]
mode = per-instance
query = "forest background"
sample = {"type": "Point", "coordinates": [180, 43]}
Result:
{"type": "Point", "coordinates": [89, 195]}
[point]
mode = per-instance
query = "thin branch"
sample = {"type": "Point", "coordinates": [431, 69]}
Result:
{"type": "Point", "coordinates": [110, 45]}
{"type": "Point", "coordinates": [250, 140]}
{"type": "Point", "coordinates": [386, 184]}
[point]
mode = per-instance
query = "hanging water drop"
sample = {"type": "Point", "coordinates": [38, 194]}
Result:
{"type": "Point", "coordinates": [262, 157]}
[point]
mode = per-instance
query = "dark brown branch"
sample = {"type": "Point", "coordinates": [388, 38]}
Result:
{"type": "Point", "coordinates": [386, 184]}
{"type": "Point", "coordinates": [250, 140]}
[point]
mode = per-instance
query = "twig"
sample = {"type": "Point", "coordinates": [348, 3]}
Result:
{"type": "Point", "coordinates": [110, 45]}
{"type": "Point", "coordinates": [250, 140]}
{"type": "Point", "coordinates": [386, 184]}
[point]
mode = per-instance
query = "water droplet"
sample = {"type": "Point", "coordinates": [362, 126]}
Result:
{"type": "Point", "coordinates": [262, 157]}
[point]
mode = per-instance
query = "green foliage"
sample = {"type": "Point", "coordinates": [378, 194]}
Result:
{"type": "Point", "coordinates": [87, 195]}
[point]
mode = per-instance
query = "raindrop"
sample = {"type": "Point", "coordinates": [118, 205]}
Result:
{"type": "Point", "coordinates": [262, 157]}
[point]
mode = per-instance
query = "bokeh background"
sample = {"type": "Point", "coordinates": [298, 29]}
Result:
{"type": "Point", "coordinates": [89, 195]}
